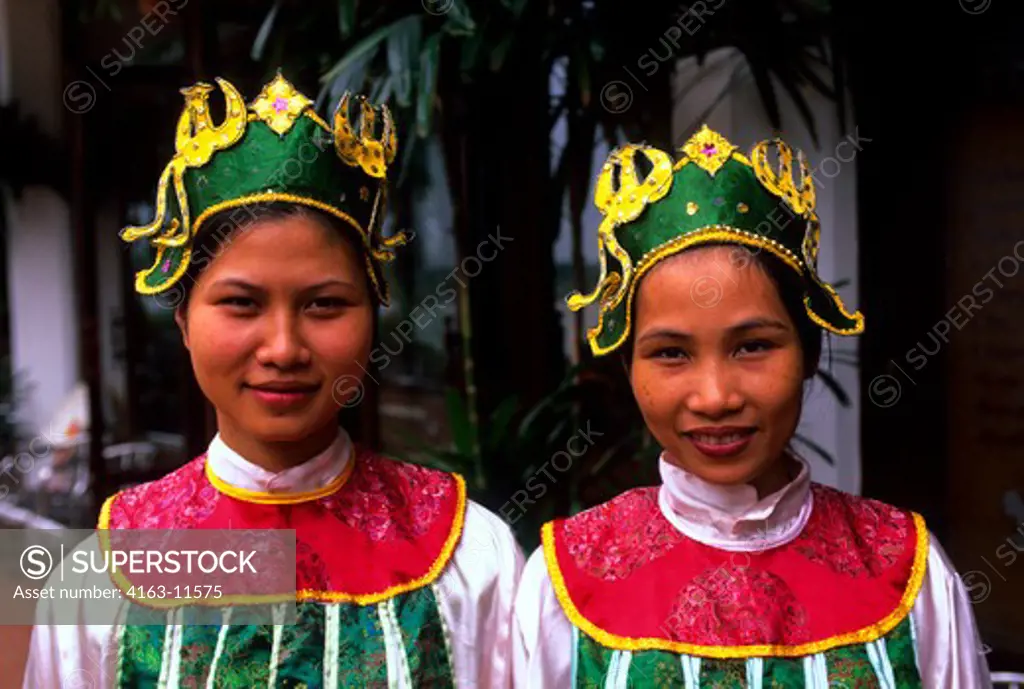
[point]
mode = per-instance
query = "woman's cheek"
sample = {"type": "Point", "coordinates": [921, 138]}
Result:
{"type": "Point", "coordinates": [221, 343]}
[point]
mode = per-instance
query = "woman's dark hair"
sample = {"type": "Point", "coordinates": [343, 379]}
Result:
{"type": "Point", "coordinates": [220, 228]}
{"type": "Point", "coordinates": [790, 287]}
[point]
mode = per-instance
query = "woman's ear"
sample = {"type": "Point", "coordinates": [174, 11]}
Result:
{"type": "Point", "coordinates": [181, 319]}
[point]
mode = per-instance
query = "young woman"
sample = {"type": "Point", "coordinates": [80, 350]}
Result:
{"type": "Point", "coordinates": [272, 256]}
{"type": "Point", "coordinates": [738, 570]}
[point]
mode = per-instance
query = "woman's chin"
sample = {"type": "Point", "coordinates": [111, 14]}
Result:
{"type": "Point", "coordinates": [725, 471]}
{"type": "Point", "coordinates": [282, 430]}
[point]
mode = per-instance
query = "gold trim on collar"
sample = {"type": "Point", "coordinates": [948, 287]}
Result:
{"type": "Point", "coordinates": [262, 498]}
{"type": "Point", "coordinates": [865, 634]}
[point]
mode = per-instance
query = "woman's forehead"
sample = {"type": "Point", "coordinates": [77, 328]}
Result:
{"type": "Point", "coordinates": [285, 250]}
{"type": "Point", "coordinates": [708, 287]}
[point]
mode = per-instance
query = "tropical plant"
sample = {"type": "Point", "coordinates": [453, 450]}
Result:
{"type": "Point", "coordinates": [509, 463]}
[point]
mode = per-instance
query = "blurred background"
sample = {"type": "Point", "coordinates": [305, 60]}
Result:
{"type": "Point", "coordinates": [912, 119]}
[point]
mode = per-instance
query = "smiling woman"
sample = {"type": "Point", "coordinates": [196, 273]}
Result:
{"type": "Point", "coordinates": [268, 232]}
{"type": "Point", "coordinates": [284, 310]}
{"type": "Point", "coordinates": [738, 570]}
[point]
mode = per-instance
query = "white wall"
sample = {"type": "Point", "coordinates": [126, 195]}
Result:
{"type": "Point", "coordinates": [44, 323]}
{"type": "Point", "coordinates": [741, 118]}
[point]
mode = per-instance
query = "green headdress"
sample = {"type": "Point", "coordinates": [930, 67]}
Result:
{"type": "Point", "coordinates": [275, 149]}
{"type": "Point", "coordinates": [712, 194]}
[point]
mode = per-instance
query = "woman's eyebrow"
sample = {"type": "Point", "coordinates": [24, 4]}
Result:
{"type": "Point", "coordinates": [741, 327]}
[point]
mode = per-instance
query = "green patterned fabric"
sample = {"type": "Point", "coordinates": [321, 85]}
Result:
{"type": "Point", "coordinates": [847, 667]}
{"type": "Point", "coordinates": [723, 674]}
{"type": "Point", "coordinates": [246, 658]}
{"type": "Point", "coordinates": [301, 661]}
{"type": "Point", "coordinates": [592, 663]}
{"type": "Point", "coordinates": [360, 655]}
{"type": "Point", "coordinates": [140, 656]}
{"type": "Point", "coordinates": [783, 673]}
{"type": "Point", "coordinates": [850, 668]}
{"type": "Point", "coordinates": [275, 149]}
{"type": "Point", "coordinates": [655, 207]}
{"type": "Point", "coordinates": [198, 645]}
{"type": "Point", "coordinates": [423, 634]}
{"type": "Point", "coordinates": [656, 669]}
{"type": "Point", "coordinates": [899, 645]}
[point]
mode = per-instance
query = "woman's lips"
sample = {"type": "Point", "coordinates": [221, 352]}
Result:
{"type": "Point", "coordinates": [283, 398]}
{"type": "Point", "coordinates": [721, 443]}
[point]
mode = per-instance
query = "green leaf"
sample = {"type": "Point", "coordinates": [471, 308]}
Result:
{"type": "Point", "coordinates": [582, 66]}
{"type": "Point", "coordinates": [406, 161]}
{"type": "Point", "coordinates": [516, 7]}
{"type": "Point", "coordinates": [501, 418]}
{"type": "Point", "coordinates": [470, 50]}
{"type": "Point", "coordinates": [403, 55]}
{"type": "Point", "coordinates": [500, 51]}
{"type": "Point", "coordinates": [260, 42]}
{"type": "Point", "coordinates": [370, 44]}
{"type": "Point", "coordinates": [429, 61]}
{"type": "Point", "coordinates": [381, 90]}
{"type": "Point", "coordinates": [346, 17]}
{"type": "Point", "coordinates": [815, 447]}
{"type": "Point", "coordinates": [459, 23]}
{"type": "Point", "coordinates": [734, 79]}
{"type": "Point", "coordinates": [763, 80]}
{"type": "Point", "coordinates": [462, 430]}
{"type": "Point", "coordinates": [832, 384]}
{"type": "Point", "coordinates": [791, 84]}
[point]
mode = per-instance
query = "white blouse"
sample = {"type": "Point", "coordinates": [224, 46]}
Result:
{"type": "Point", "coordinates": [476, 590]}
{"type": "Point", "coordinates": [732, 518]}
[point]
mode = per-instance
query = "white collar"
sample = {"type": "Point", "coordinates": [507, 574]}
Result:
{"type": "Point", "coordinates": [731, 517]}
{"type": "Point", "coordinates": [314, 473]}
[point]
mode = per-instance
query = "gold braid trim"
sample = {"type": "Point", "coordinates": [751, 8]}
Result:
{"type": "Point", "coordinates": [433, 573]}
{"type": "Point", "coordinates": [857, 318]}
{"type": "Point", "coordinates": [711, 233]}
{"type": "Point", "coordinates": [735, 155]}
{"type": "Point", "coordinates": [140, 278]}
{"type": "Point", "coordinates": [269, 196]}
{"type": "Point", "coordinates": [124, 585]}
{"type": "Point", "coordinates": [430, 577]}
{"type": "Point", "coordinates": [864, 635]}
{"type": "Point", "coordinates": [264, 498]}
{"type": "Point", "coordinates": [308, 112]}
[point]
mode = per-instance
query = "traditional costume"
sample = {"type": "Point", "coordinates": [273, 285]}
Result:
{"type": "Point", "coordinates": [400, 581]}
{"type": "Point", "coordinates": [692, 584]}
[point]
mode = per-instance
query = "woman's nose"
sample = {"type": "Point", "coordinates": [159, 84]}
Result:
{"type": "Point", "coordinates": [714, 393]}
{"type": "Point", "coordinates": [283, 345]}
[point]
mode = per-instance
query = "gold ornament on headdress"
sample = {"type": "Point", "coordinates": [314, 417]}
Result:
{"type": "Point", "coordinates": [363, 149]}
{"type": "Point", "coordinates": [798, 195]}
{"type": "Point", "coordinates": [621, 196]}
{"type": "Point", "coordinates": [707, 149]}
{"type": "Point", "coordinates": [196, 141]}
{"type": "Point", "coordinates": [279, 105]}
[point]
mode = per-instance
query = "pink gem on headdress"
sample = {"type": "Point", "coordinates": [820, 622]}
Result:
{"type": "Point", "coordinates": [167, 265]}
{"type": "Point", "coordinates": [281, 104]}
{"type": "Point", "coordinates": [709, 150]}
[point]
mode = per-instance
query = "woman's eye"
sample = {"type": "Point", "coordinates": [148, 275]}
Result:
{"type": "Point", "coordinates": [327, 304]}
{"type": "Point", "coordinates": [669, 353]}
{"type": "Point", "coordinates": [755, 347]}
{"type": "Point", "coordinates": [237, 302]}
